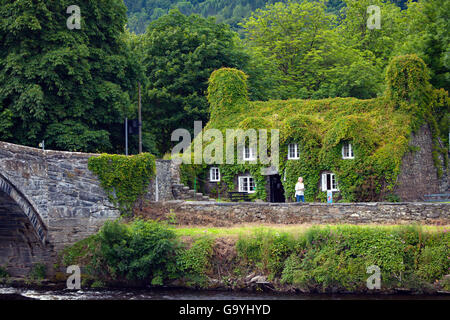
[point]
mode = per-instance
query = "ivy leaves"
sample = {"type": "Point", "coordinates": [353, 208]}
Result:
{"type": "Point", "coordinates": [124, 179]}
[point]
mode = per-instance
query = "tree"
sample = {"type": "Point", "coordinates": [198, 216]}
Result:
{"type": "Point", "coordinates": [376, 44]}
{"type": "Point", "coordinates": [179, 55]}
{"type": "Point", "coordinates": [68, 87]}
{"type": "Point", "coordinates": [312, 60]}
{"type": "Point", "coordinates": [429, 38]}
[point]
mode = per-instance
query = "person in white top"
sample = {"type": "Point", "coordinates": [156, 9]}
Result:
{"type": "Point", "coordinates": [300, 190]}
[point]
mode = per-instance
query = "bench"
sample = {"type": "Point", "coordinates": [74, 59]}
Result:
{"type": "Point", "coordinates": [440, 197]}
{"type": "Point", "coordinates": [238, 196]}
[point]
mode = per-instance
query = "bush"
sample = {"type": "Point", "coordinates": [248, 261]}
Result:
{"type": "Point", "coordinates": [291, 266]}
{"type": "Point", "coordinates": [434, 262]}
{"type": "Point", "coordinates": [195, 262]}
{"type": "Point", "coordinates": [139, 251]}
{"type": "Point", "coordinates": [38, 271]}
{"type": "Point", "coordinates": [143, 251]}
{"type": "Point", "coordinates": [326, 258]}
{"type": "Point", "coordinates": [267, 250]}
{"type": "Point", "coordinates": [3, 273]}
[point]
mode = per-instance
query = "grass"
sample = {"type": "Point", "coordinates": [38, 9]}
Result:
{"type": "Point", "coordinates": [292, 230]}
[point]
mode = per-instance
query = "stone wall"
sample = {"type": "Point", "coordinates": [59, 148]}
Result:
{"type": "Point", "coordinates": [418, 176]}
{"type": "Point", "coordinates": [314, 213]}
{"type": "Point", "coordinates": [160, 188]}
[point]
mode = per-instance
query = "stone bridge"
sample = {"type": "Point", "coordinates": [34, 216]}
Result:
{"type": "Point", "coordinates": [49, 199]}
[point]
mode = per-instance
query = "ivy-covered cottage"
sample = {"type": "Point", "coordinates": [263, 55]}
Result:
{"type": "Point", "coordinates": [388, 148]}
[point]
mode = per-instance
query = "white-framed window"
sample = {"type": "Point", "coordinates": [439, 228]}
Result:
{"type": "Point", "coordinates": [347, 151]}
{"type": "Point", "coordinates": [329, 182]}
{"type": "Point", "coordinates": [247, 184]}
{"type": "Point", "coordinates": [214, 174]}
{"type": "Point", "coordinates": [293, 151]}
{"type": "Point", "coordinates": [249, 153]}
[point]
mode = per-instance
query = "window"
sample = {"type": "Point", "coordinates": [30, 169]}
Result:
{"type": "Point", "coordinates": [329, 182]}
{"type": "Point", "coordinates": [214, 174]}
{"type": "Point", "coordinates": [249, 153]}
{"type": "Point", "coordinates": [347, 151]}
{"type": "Point", "coordinates": [293, 152]}
{"type": "Point", "coordinates": [246, 184]}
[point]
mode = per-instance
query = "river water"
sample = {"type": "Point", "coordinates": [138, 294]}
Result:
{"type": "Point", "coordinates": [10, 293]}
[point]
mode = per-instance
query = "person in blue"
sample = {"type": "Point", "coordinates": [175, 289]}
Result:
{"type": "Point", "coordinates": [300, 190]}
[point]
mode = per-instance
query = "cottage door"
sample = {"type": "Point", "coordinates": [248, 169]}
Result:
{"type": "Point", "coordinates": [276, 189]}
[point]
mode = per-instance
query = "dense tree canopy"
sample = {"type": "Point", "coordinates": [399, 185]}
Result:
{"type": "Point", "coordinates": [232, 12]}
{"type": "Point", "coordinates": [68, 87]}
{"type": "Point", "coordinates": [312, 57]}
{"type": "Point", "coordinates": [141, 13]}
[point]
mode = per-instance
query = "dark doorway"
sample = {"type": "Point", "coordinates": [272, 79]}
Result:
{"type": "Point", "coordinates": [276, 189]}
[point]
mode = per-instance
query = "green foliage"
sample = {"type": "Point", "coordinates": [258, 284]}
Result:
{"type": "Point", "coordinates": [433, 262]}
{"type": "Point", "coordinates": [311, 57]}
{"type": "Point", "coordinates": [327, 258]}
{"type": "Point", "coordinates": [427, 22]}
{"type": "Point", "coordinates": [195, 262]}
{"type": "Point", "coordinates": [266, 250]}
{"type": "Point", "coordinates": [68, 87]}
{"type": "Point", "coordinates": [3, 273]}
{"type": "Point", "coordinates": [407, 80]}
{"type": "Point", "coordinates": [124, 178]}
{"type": "Point", "coordinates": [77, 252]}
{"type": "Point", "coordinates": [98, 284]}
{"type": "Point", "coordinates": [231, 12]}
{"type": "Point", "coordinates": [141, 13]}
{"type": "Point", "coordinates": [139, 251]}
{"type": "Point", "coordinates": [38, 272]}
{"type": "Point", "coordinates": [322, 258]}
{"type": "Point", "coordinates": [227, 92]}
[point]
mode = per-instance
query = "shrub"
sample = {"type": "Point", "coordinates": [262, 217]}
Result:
{"type": "Point", "coordinates": [281, 247]}
{"type": "Point", "coordinates": [267, 250]}
{"type": "Point", "coordinates": [326, 258]}
{"type": "Point", "coordinates": [194, 263]}
{"type": "Point", "coordinates": [434, 262]}
{"type": "Point", "coordinates": [38, 271]}
{"type": "Point", "coordinates": [3, 273]}
{"type": "Point", "coordinates": [291, 266]}
{"type": "Point", "coordinates": [139, 251]}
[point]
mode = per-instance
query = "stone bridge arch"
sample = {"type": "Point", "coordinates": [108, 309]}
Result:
{"type": "Point", "coordinates": [8, 190]}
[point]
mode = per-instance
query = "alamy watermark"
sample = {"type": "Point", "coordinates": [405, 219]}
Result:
{"type": "Point", "coordinates": [374, 20]}
{"type": "Point", "coordinates": [74, 21]}
{"type": "Point", "coordinates": [374, 281]}
{"type": "Point", "coordinates": [74, 280]}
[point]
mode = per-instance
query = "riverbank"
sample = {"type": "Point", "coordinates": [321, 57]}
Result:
{"type": "Point", "coordinates": [278, 259]}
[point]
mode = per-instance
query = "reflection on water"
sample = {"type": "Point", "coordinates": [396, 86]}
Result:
{"type": "Point", "coordinates": [9, 293]}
